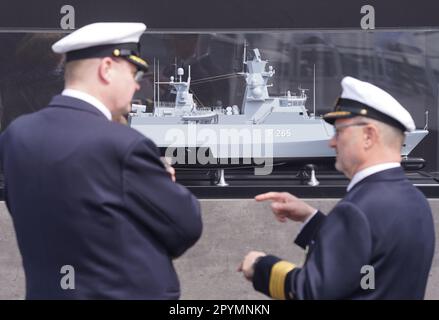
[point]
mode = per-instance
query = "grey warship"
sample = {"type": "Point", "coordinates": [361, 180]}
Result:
{"type": "Point", "coordinates": [277, 127]}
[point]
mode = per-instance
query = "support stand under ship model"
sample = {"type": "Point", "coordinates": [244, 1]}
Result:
{"type": "Point", "coordinates": [265, 126]}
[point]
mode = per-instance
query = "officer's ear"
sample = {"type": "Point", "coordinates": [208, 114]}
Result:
{"type": "Point", "coordinates": [370, 135]}
{"type": "Point", "coordinates": [105, 70]}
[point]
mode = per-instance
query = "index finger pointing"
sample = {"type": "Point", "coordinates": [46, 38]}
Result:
{"type": "Point", "coordinates": [277, 196]}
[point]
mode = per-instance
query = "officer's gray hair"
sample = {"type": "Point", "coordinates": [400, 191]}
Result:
{"type": "Point", "coordinates": [391, 136]}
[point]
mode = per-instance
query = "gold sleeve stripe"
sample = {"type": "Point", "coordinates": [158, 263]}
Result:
{"type": "Point", "coordinates": [278, 274]}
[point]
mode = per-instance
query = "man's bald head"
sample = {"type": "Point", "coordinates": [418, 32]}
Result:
{"type": "Point", "coordinates": [81, 71]}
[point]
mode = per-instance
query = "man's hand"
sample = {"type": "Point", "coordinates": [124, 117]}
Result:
{"type": "Point", "coordinates": [286, 206]}
{"type": "Point", "coordinates": [120, 119]}
{"type": "Point", "coordinates": [167, 163]}
{"type": "Point", "coordinates": [171, 172]}
{"type": "Point", "coordinates": [247, 265]}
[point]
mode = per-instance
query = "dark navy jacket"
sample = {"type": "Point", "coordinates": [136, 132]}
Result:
{"type": "Point", "coordinates": [93, 194]}
{"type": "Point", "coordinates": [383, 222]}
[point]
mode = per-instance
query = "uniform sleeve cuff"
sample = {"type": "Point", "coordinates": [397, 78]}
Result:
{"type": "Point", "coordinates": [270, 276]}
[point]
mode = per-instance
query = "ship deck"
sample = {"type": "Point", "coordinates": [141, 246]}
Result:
{"type": "Point", "coordinates": [243, 184]}
{"type": "Point", "coordinates": [286, 177]}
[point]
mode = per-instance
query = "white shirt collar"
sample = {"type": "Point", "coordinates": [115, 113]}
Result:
{"type": "Point", "coordinates": [89, 99]}
{"type": "Point", "coordinates": [360, 175]}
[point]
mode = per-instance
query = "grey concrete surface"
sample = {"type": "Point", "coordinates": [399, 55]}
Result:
{"type": "Point", "coordinates": [208, 270]}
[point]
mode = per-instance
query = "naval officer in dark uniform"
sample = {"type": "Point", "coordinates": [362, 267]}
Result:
{"type": "Point", "coordinates": [378, 241]}
{"type": "Point", "coordinates": [97, 215]}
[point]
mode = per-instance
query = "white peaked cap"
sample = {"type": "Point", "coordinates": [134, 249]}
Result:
{"type": "Point", "coordinates": [98, 34]}
{"type": "Point", "coordinates": [360, 98]}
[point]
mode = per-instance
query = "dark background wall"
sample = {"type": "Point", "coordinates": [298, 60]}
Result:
{"type": "Point", "coordinates": [209, 14]}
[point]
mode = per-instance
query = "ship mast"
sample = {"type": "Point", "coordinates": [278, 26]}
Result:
{"type": "Point", "coordinates": [153, 86]}
{"type": "Point", "coordinates": [314, 91]}
{"type": "Point", "coordinates": [158, 83]}
{"type": "Point", "coordinates": [244, 56]}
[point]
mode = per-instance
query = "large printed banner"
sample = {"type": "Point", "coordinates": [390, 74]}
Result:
{"type": "Point", "coordinates": [222, 14]}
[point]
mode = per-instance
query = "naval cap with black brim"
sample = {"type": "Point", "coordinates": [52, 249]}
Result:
{"type": "Point", "coordinates": [359, 98]}
{"type": "Point", "coordinates": [104, 39]}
